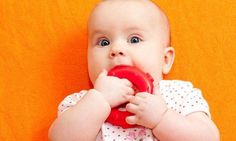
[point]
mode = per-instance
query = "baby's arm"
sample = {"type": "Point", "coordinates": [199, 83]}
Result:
{"type": "Point", "coordinates": [191, 122]}
{"type": "Point", "coordinates": [191, 125]}
{"type": "Point", "coordinates": [194, 127]}
{"type": "Point", "coordinates": [82, 121]}
{"type": "Point", "coordinates": [168, 125]}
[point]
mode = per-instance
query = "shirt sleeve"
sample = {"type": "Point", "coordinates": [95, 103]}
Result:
{"type": "Point", "coordinates": [182, 97]}
{"type": "Point", "coordinates": [70, 101]}
{"type": "Point", "coordinates": [194, 102]}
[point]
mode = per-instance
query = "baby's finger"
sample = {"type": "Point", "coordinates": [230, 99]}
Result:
{"type": "Point", "coordinates": [136, 100]}
{"type": "Point", "coordinates": [132, 108]}
{"type": "Point", "coordinates": [131, 120]}
{"type": "Point", "coordinates": [128, 97]}
{"type": "Point", "coordinates": [127, 82]}
{"type": "Point", "coordinates": [130, 91]}
{"type": "Point", "coordinates": [142, 94]}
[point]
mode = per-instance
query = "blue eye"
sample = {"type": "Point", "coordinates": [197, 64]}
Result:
{"type": "Point", "coordinates": [135, 40]}
{"type": "Point", "coordinates": [104, 42]}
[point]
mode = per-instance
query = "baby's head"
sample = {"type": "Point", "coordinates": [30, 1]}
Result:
{"type": "Point", "coordinates": [129, 32]}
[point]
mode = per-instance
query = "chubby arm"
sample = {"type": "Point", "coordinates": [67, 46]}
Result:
{"type": "Point", "coordinates": [72, 126]}
{"type": "Point", "coordinates": [194, 127]}
{"type": "Point", "coordinates": [168, 125]}
{"type": "Point", "coordinates": [83, 121]}
{"type": "Point", "coordinates": [152, 112]}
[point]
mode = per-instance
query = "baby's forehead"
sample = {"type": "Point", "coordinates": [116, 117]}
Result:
{"type": "Point", "coordinates": [129, 4]}
{"type": "Point", "coordinates": [130, 12]}
{"type": "Point", "coordinates": [143, 8]}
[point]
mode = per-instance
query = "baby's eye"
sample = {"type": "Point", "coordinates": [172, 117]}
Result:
{"type": "Point", "coordinates": [135, 40]}
{"type": "Point", "coordinates": [104, 42]}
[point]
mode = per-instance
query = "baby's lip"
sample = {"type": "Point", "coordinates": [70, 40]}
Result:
{"type": "Point", "coordinates": [118, 65]}
{"type": "Point", "coordinates": [120, 62]}
{"type": "Point", "coordinates": [122, 65]}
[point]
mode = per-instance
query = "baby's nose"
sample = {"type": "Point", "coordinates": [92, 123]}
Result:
{"type": "Point", "coordinates": [117, 51]}
{"type": "Point", "coordinates": [120, 53]}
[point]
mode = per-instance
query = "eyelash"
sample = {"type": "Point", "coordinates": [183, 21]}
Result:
{"type": "Point", "coordinates": [133, 37]}
{"type": "Point", "coordinates": [99, 41]}
{"type": "Point", "coordinates": [103, 43]}
{"type": "Point", "coordinates": [129, 40]}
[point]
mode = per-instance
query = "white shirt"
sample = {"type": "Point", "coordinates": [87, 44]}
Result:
{"type": "Point", "coordinates": [180, 96]}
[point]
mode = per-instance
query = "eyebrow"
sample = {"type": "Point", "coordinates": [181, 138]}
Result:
{"type": "Point", "coordinates": [134, 28]}
{"type": "Point", "coordinates": [97, 31]}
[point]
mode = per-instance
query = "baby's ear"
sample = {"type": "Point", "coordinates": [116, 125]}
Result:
{"type": "Point", "coordinates": [169, 56]}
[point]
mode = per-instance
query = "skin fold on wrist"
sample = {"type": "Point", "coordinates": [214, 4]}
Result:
{"type": "Point", "coordinates": [97, 93]}
{"type": "Point", "coordinates": [161, 118]}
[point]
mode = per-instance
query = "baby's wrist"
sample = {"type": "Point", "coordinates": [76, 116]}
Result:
{"type": "Point", "coordinates": [101, 97]}
{"type": "Point", "coordinates": [161, 119]}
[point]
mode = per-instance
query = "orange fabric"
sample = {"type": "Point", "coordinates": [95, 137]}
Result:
{"type": "Point", "coordinates": [43, 58]}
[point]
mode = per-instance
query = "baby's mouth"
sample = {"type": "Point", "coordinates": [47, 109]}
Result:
{"type": "Point", "coordinates": [116, 65]}
{"type": "Point", "coordinates": [120, 61]}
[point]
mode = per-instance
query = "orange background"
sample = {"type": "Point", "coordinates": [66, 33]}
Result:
{"type": "Point", "coordinates": [43, 59]}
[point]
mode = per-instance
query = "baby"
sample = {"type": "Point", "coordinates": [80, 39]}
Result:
{"type": "Point", "coordinates": [134, 33]}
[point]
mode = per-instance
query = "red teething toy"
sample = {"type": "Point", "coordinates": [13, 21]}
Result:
{"type": "Point", "coordinates": [142, 81]}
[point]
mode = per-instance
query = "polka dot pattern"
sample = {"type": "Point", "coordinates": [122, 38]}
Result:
{"type": "Point", "coordinates": [70, 101]}
{"type": "Point", "coordinates": [180, 96]}
{"type": "Point", "coordinates": [116, 133]}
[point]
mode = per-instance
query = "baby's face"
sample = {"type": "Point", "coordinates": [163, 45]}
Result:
{"type": "Point", "coordinates": [127, 32]}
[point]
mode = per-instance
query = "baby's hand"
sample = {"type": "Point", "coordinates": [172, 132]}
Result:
{"type": "Point", "coordinates": [148, 109]}
{"type": "Point", "coordinates": [115, 90]}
